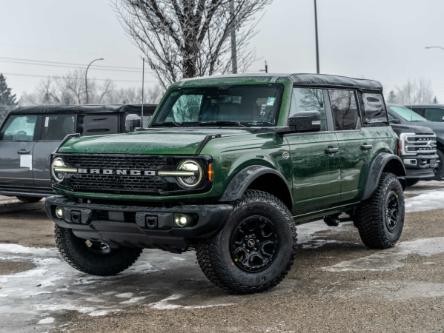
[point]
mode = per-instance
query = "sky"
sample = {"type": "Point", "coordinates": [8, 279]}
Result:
{"type": "Point", "coordinates": [378, 39]}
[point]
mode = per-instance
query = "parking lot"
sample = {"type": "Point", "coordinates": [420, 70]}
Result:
{"type": "Point", "coordinates": [335, 285]}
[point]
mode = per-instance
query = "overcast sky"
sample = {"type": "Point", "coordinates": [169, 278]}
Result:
{"type": "Point", "coordinates": [378, 39]}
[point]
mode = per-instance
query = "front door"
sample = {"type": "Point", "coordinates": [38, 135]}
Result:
{"type": "Point", "coordinates": [16, 146]}
{"type": "Point", "coordinates": [314, 156]}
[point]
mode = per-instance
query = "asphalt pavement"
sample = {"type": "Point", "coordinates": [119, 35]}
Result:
{"type": "Point", "coordinates": [335, 285]}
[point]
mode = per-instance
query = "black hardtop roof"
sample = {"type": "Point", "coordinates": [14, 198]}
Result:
{"type": "Point", "coordinates": [326, 80]}
{"type": "Point", "coordinates": [83, 109]}
{"type": "Point", "coordinates": [300, 79]}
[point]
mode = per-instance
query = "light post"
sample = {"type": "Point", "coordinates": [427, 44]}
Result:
{"type": "Point", "coordinates": [318, 69]}
{"type": "Point", "coordinates": [86, 77]}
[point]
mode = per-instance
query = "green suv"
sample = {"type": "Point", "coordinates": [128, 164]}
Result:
{"type": "Point", "coordinates": [228, 167]}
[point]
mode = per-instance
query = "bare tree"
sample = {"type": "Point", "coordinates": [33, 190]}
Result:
{"type": "Point", "coordinates": [182, 39]}
{"type": "Point", "coordinates": [414, 92]}
{"type": "Point", "coordinates": [70, 90]}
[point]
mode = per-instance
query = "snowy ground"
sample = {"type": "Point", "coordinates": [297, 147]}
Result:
{"type": "Point", "coordinates": [40, 296]}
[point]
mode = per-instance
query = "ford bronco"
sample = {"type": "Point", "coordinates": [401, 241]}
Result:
{"type": "Point", "coordinates": [228, 167]}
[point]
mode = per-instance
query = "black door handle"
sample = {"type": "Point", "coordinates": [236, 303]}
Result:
{"type": "Point", "coordinates": [23, 152]}
{"type": "Point", "coordinates": [331, 150]}
{"type": "Point", "coordinates": [366, 147]}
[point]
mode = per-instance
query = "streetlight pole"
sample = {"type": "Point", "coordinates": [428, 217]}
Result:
{"type": "Point", "coordinates": [86, 77]}
{"type": "Point", "coordinates": [233, 38]}
{"type": "Point", "coordinates": [318, 70]}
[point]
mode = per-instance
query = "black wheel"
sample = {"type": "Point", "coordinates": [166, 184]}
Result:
{"type": "Point", "coordinates": [254, 250]}
{"type": "Point", "coordinates": [92, 256]}
{"type": "Point", "coordinates": [411, 182]}
{"type": "Point", "coordinates": [29, 199]}
{"type": "Point", "coordinates": [439, 171]}
{"type": "Point", "coordinates": [380, 219]}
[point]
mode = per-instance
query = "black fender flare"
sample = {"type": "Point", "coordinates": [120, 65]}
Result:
{"type": "Point", "coordinates": [376, 168]}
{"type": "Point", "coordinates": [244, 178]}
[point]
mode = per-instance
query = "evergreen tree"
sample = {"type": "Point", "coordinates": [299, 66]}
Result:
{"type": "Point", "coordinates": [435, 100]}
{"type": "Point", "coordinates": [391, 97]}
{"type": "Point", "coordinates": [6, 96]}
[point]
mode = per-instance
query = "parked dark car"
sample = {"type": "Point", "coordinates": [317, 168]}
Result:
{"type": "Point", "coordinates": [401, 115]}
{"type": "Point", "coordinates": [433, 112]}
{"type": "Point", "coordinates": [29, 135]}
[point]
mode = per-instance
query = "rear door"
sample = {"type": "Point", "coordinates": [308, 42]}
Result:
{"type": "Point", "coordinates": [354, 144]}
{"type": "Point", "coordinates": [16, 146]}
{"type": "Point", "coordinates": [314, 156]}
{"type": "Point", "coordinates": [53, 128]}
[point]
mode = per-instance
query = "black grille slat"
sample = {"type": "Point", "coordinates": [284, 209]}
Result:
{"type": "Point", "coordinates": [119, 183]}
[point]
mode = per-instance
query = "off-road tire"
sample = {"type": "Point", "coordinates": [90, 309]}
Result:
{"type": "Point", "coordinates": [29, 199]}
{"type": "Point", "coordinates": [439, 171]}
{"type": "Point", "coordinates": [215, 256]}
{"type": "Point", "coordinates": [372, 218]}
{"type": "Point", "coordinates": [411, 182]}
{"type": "Point", "coordinates": [76, 253]}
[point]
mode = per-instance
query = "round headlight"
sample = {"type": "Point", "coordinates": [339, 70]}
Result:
{"type": "Point", "coordinates": [190, 181]}
{"type": "Point", "coordinates": [57, 163]}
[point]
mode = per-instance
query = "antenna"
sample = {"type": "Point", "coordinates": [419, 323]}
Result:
{"type": "Point", "coordinates": [143, 89]}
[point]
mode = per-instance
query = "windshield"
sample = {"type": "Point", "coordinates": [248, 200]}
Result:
{"type": "Point", "coordinates": [407, 114]}
{"type": "Point", "coordinates": [221, 106]}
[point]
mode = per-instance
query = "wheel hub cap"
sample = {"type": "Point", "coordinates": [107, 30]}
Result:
{"type": "Point", "coordinates": [392, 211]}
{"type": "Point", "coordinates": [254, 244]}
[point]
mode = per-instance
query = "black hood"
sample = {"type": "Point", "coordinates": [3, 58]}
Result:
{"type": "Point", "coordinates": [405, 128]}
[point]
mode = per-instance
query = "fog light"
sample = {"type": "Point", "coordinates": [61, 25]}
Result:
{"type": "Point", "coordinates": [59, 212]}
{"type": "Point", "coordinates": [182, 220]}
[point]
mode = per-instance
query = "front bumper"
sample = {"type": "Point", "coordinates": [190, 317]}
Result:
{"type": "Point", "coordinates": [420, 167]}
{"type": "Point", "coordinates": [138, 226]}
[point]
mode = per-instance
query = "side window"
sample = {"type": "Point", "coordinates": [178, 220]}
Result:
{"type": "Point", "coordinates": [19, 129]}
{"type": "Point", "coordinates": [344, 109]}
{"type": "Point", "coordinates": [56, 127]}
{"type": "Point", "coordinates": [99, 124]}
{"type": "Point", "coordinates": [434, 114]}
{"type": "Point", "coordinates": [420, 111]}
{"type": "Point", "coordinates": [307, 99]}
{"type": "Point", "coordinates": [374, 109]}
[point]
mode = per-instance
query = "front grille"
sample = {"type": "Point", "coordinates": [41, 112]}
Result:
{"type": "Point", "coordinates": [419, 144]}
{"type": "Point", "coordinates": [119, 183]}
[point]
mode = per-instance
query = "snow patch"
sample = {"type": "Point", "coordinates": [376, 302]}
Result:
{"type": "Point", "coordinates": [426, 201]}
{"type": "Point", "coordinates": [46, 321]}
{"type": "Point", "coordinates": [165, 304]}
{"type": "Point", "coordinates": [392, 259]}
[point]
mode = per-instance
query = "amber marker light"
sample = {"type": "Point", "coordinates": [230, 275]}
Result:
{"type": "Point", "coordinates": [210, 172]}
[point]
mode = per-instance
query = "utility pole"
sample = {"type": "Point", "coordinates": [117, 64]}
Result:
{"type": "Point", "coordinates": [233, 39]}
{"type": "Point", "coordinates": [143, 90]}
{"type": "Point", "coordinates": [86, 78]}
{"type": "Point", "coordinates": [318, 69]}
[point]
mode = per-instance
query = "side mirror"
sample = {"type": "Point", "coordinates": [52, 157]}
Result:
{"type": "Point", "coordinates": [395, 121]}
{"type": "Point", "coordinates": [307, 121]}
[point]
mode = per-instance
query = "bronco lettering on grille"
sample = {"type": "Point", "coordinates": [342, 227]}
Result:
{"type": "Point", "coordinates": [120, 172]}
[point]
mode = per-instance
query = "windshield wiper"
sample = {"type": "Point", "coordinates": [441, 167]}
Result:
{"type": "Point", "coordinates": [261, 123]}
{"type": "Point", "coordinates": [222, 123]}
